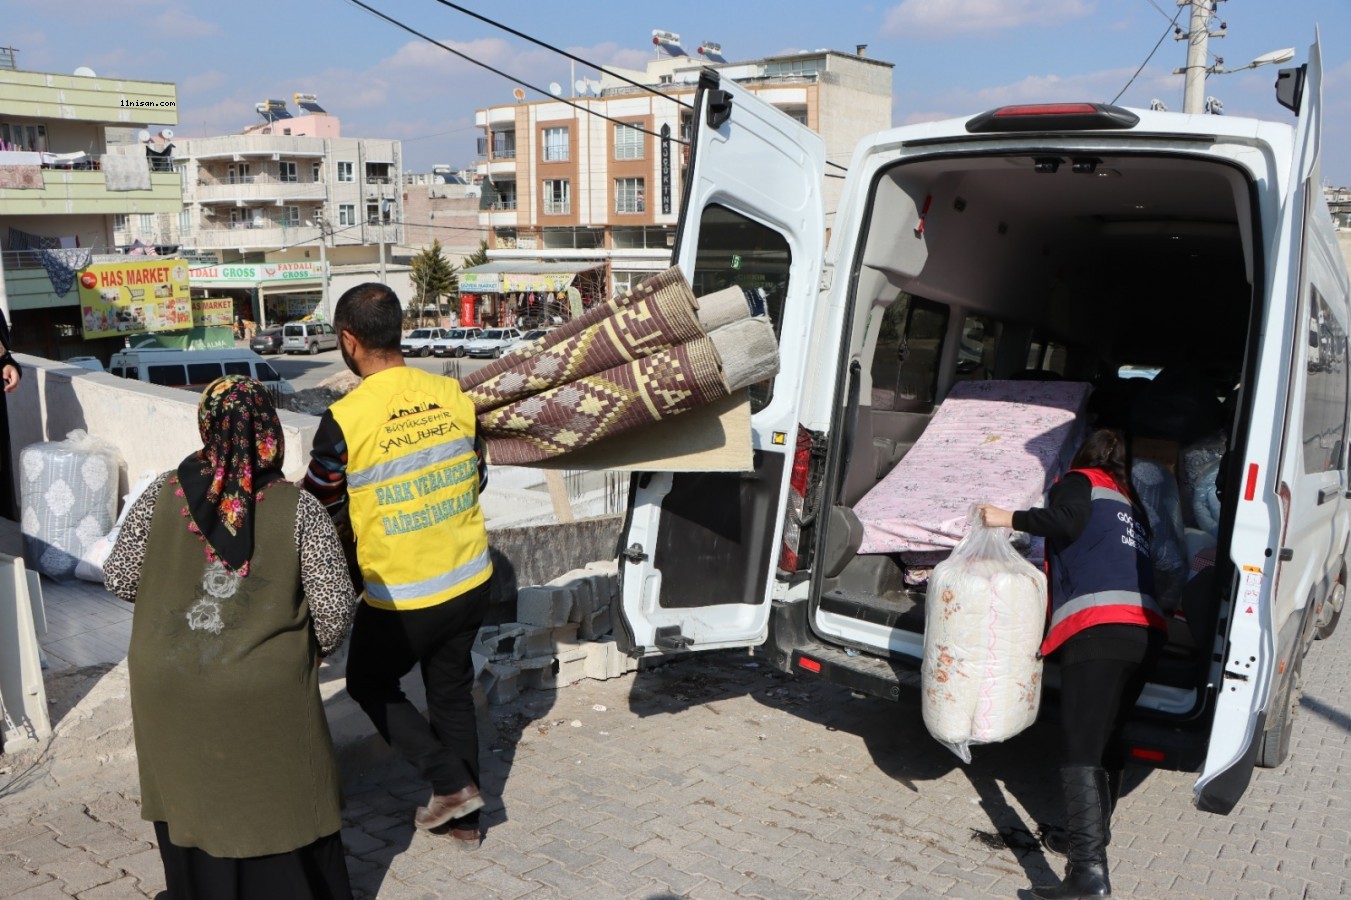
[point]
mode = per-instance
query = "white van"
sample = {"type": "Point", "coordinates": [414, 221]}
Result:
{"type": "Point", "coordinates": [194, 369]}
{"type": "Point", "coordinates": [1080, 241]}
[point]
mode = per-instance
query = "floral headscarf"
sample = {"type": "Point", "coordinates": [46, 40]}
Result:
{"type": "Point", "coordinates": [242, 448]}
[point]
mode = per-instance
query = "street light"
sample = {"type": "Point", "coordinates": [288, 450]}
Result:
{"type": "Point", "coordinates": [1266, 59]}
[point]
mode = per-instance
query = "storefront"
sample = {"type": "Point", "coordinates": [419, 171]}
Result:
{"type": "Point", "coordinates": [264, 293]}
{"type": "Point", "coordinates": [529, 295]}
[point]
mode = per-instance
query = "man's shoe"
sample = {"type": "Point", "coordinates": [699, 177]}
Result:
{"type": "Point", "coordinates": [465, 838]}
{"type": "Point", "coordinates": [444, 807]}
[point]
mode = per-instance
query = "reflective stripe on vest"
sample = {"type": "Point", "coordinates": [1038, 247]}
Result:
{"type": "Point", "coordinates": [412, 482]}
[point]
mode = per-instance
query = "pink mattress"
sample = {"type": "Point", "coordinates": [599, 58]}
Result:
{"type": "Point", "coordinates": [1000, 442]}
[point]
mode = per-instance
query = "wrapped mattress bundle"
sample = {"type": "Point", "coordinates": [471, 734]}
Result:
{"type": "Point", "coordinates": [69, 491]}
{"type": "Point", "coordinates": [983, 621]}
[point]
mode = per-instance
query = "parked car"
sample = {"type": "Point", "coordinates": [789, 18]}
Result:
{"type": "Point", "coordinates": [492, 343]}
{"type": "Point", "coordinates": [418, 342]}
{"type": "Point", "coordinates": [534, 335]}
{"type": "Point", "coordinates": [308, 337]}
{"type": "Point", "coordinates": [194, 369]}
{"type": "Point", "coordinates": [92, 363]}
{"type": "Point", "coordinates": [267, 341]}
{"type": "Point", "coordinates": [452, 343]}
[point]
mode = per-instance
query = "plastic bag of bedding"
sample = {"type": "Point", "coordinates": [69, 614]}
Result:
{"type": "Point", "coordinates": [69, 500]}
{"type": "Point", "coordinates": [983, 620]}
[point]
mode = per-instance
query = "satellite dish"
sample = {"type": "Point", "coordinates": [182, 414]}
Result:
{"type": "Point", "coordinates": [518, 94]}
{"type": "Point", "coordinates": [555, 88]}
{"type": "Point", "coordinates": [167, 134]}
{"type": "Point", "coordinates": [579, 87]}
{"type": "Point", "coordinates": [142, 135]}
{"type": "Point", "coordinates": [594, 87]}
{"type": "Point", "coordinates": [84, 72]}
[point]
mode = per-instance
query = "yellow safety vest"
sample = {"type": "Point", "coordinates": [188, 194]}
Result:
{"type": "Point", "coordinates": [412, 486]}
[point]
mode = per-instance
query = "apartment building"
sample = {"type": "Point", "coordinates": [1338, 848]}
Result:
{"type": "Point", "coordinates": [442, 205]}
{"type": "Point", "coordinates": [263, 209]}
{"type": "Point", "coordinates": [562, 185]}
{"type": "Point", "coordinates": [61, 197]}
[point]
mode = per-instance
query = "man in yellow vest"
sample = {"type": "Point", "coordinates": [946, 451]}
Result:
{"type": "Point", "coordinates": [399, 455]}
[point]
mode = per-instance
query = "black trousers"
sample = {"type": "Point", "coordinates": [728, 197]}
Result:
{"type": "Point", "coordinates": [1100, 680]}
{"type": "Point", "coordinates": [317, 871]}
{"type": "Point", "coordinates": [386, 645]}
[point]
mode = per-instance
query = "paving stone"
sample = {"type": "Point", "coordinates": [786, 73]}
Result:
{"type": "Point", "coordinates": [41, 849]}
{"type": "Point", "coordinates": [146, 867]}
{"type": "Point", "coordinates": [121, 889]}
{"type": "Point", "coordinates": [14, 877]}
{"type": "Point", "coordinates": [79, 873]}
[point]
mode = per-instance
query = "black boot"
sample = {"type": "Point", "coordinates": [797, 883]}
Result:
{"type": "Point", "coordinates": [1056, 841]}
{"type": "Point", "coordinates": [1087, 811]}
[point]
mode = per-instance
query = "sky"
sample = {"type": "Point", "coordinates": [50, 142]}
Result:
{"type": "Point", "coordinates": [952, 57]}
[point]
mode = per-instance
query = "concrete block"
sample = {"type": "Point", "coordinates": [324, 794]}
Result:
{"type": "Point", "coordinates": [570, 667]}
{"type": "Point", "coordinates": [549, 606]}
{"type": "Point", "coordinates": [541, 641]}
{"type": "Point", "coordinates": [597, 625]}
{"type": "Point", "coordinates": [505, 684]}
{"type": "Point", "coordinates": [503, 641]}
{"type": "Point", "coordinates": [534, 672]}
{"type": "Point", "coordinates": [604, 661]}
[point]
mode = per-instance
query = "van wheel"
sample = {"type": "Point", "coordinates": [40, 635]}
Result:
{"type": "Point", "coordinates": [1276, 740]}
{"type": "Point", "coordinates": [1324, 631]}
{"type": "Point", "coordinates": [314, 349]}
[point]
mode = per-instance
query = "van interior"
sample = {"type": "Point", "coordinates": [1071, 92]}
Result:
{"type": "Point", "coordinates": [1132, 274]}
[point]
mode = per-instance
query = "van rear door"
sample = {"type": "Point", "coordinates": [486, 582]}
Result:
{"type": "Point", "coordinates": [701, 547]}
{"type": "Point", "coordinates": [1272, 588]}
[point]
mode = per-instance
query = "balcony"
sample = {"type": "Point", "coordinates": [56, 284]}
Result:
{"type": "Point", "coordinates": [259, 189]}
{"type": "Point", "coordinates": [76, 191]}
{"type": "Point", "coordinates": [245, 236]}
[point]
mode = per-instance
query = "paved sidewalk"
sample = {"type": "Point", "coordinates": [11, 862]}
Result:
{"type": "Point", "coordinates": [715, 777]}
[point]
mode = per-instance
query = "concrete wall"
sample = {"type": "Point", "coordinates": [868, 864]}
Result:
{"type": "Point", "coordinates": [152, 427]}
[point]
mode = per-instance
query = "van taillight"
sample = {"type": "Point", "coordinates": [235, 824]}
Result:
{"type": "Point", "coordinates": [1148, 755]}
{"type": "Point", "coordinates": [1053, 117]}
{"type": "Point", "coordinates": [797, 498]}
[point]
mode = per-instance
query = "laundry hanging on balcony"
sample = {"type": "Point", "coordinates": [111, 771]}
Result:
{"type": "Point", "coordinates": [125, 173]}
{"type": "Point", "coordinates": [63, 265]}
{"type": "Point", "coordinates": [640, 358]}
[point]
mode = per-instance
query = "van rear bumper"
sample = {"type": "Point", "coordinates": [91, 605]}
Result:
{"type": "Point", "coordinates": [793, 648]}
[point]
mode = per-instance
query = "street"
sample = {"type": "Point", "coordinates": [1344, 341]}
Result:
{"type": "Point", "coordinates": [307, 371]}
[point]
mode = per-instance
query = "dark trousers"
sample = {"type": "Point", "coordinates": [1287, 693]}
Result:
{"type": "Point", "coordinates": [386, 644]}
{"type": "Point", "coordinates": [1098, 694]}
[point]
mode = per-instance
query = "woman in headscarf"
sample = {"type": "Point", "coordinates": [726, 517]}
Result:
{"type": "Point", "coordinates": [240, 588]}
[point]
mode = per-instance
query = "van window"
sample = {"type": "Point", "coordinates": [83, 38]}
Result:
{"type": "Point", "coordinates": [203, 373]}
{"type": "Point", "coordinates": [1325, 396]}
{"type": "Point", "coordinates": [909, 344]}
{"type": "Point", "coordinates": [119, 372]}
{"type": "Point", "coordinates": [238, 368]}
{"type": "Point", "coordinates": [976, 355]}
{"type": "Point", "coordinates": [266, 372]}
{"type": "Point", "coordinates": [169, 376]}
{"type": "Point", "coordinates": [734, 250]}
{"type": "Point", "coordinates": [293, 331]}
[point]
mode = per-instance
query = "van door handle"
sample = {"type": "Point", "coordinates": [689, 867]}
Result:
{"type": "Point", "coordinates": [1328, 493]}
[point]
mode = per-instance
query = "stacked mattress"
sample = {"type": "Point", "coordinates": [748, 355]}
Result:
{"type": "Point", "coordinates": [1000, 442]}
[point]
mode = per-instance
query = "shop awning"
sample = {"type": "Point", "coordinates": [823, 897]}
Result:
{"type": "Point", "coordinates": [521, 277]}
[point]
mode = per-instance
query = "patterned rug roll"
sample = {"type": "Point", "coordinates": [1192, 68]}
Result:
{"type": "Point", "coordinates": [669, 289]}
{"type": "Point", "coordinates": [581, 412]}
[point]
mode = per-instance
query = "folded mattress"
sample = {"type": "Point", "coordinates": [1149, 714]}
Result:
{"type": "Point", "coordinates": [1000, 442]}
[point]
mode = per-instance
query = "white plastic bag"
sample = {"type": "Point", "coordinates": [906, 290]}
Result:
{"type": "Point", "coordinates": [983, 621]}
{"type": "Point", "coordinates": [90, 565]}
{"type": "Point", "coordinates": [69, 500]}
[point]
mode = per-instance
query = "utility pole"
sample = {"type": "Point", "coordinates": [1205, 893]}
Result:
{"type": "Point", "coordinates": [1198, 37]}
{"type": "Point", "coordinates": [323, 269]}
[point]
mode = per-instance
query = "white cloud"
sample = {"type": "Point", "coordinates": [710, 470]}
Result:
{"type": "Point", "coordinates": [945, 18]}
{"type": "Point", "coordinates": [203, 82]}
{"type": "Point", "coordinates": [177, 22]}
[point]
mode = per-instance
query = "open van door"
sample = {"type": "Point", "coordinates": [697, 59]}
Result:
{"type": "Point", "coordinates": [698, 558]}
{"type": "Point", "coordinates": [1259, 660]}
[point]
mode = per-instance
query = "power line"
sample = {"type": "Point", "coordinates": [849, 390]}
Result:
{"type": "Point", "coordinates": [561, 52]}
{"type": "Point", "coordinates": [467, 58]}
{"type": "Point", "coordinates": [1171, 25]}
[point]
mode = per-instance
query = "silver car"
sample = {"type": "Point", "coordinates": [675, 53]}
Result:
{"type": "Point", "coordinates": [308, 337]}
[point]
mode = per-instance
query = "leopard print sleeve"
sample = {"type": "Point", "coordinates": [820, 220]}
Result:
{"type": "Point", "coordinates": [122, 568]}
{"type": "Point", "coordinates": [323, 572]}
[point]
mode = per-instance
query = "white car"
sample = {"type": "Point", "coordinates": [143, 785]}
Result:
{"type": "Point", "coordinates": [492, 343]}
{"type": "Point", "coordinates": [452, 344]}
{"type": "Point", "coordinates": [418, 342]}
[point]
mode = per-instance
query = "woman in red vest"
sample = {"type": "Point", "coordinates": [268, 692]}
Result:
{"type": "Point", "coordinates": [1105, 629]}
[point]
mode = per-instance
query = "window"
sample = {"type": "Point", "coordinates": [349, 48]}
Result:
{"type": "Point", "coordinates": [347, 214]}
{"type": "Point", "coordinates": [796, 113]}
{"type": "Point", "coordinates": [266, 372]}
{"type": "Point", "coordinates": [379, 173]}
{"type": "Point", "coordinates": [504, 144]}
{"type": "Point", "coordinates": [203, 373]}
{"type": "Point", "coordinates": [1325, 395]}
{"type": "Point", "coordinates": [735, 251]}
{"type": "Point", "coordinates": [316, 171]}
{"type": "Point", "coordinates": [976, 354]}
{"type": "Point", "coordinates": [185, 221]}
{"type": "Point", "coordinates": [145, 222]}
{"type": "Point", "coordinates": [794, 67]}
{"type": "Point", "coordinates": [239, 173]}
{"type": "Point", "coordinates": [290, 216]}
{"type": "Point", "coordinates": [288, 172]}
{"type": "Point", "coordinates": [169, 376]}
{"type": "Point", "coordinates": [629, 195]}
{"type": "Point", "coordinates": [238, 368]}
{"type": "Point", "coordinates": [905, 362]}
{"type": "Point", "coordinates": [557, 198]}
{"type": "Point", "coordinates": [347, 171]}
{"type": "Point", "coordinates": [628, 142]}
{"type": "Point", "coordinates": [119, 222]}
{"type": "Point", "coordinates": [556, 144]}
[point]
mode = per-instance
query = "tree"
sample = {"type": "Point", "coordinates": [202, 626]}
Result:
{"type": "Point", "coordinates": [477, 258]}
{"type": "Point", "coordinates": [433, 276]}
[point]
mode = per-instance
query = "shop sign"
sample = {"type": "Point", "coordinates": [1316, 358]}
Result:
{"type": "Point", "coordinates": [480, 283]}
{"type": "Point", "coordinates": [520, 284]}
{"type": "Point", "coordinates": [258, 272]}
{"type": "Point", "coordinates": [134, 297]}
{"type": "Point", "coordinates": [208, 311]}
